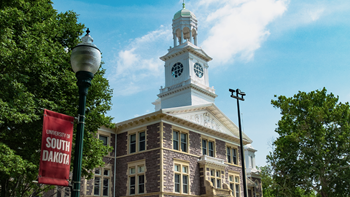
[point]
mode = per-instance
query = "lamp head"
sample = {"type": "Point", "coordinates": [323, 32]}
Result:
{"type": "Point", "coordinates": [86, 56]}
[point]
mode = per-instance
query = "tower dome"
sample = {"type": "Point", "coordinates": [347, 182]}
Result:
{"type": "Point", "coordinates": [183, 13]}
{"type": "Point", "coordinates": [184, 27]}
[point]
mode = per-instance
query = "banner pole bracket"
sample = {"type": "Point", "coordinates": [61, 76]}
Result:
{"type": "Point", "coordinates": [78, 119]}
{"type": "Point", "coordinates": [72, 186]}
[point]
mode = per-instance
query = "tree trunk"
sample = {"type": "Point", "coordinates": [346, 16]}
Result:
{"type": "Point", "coordinates": [3, 188]}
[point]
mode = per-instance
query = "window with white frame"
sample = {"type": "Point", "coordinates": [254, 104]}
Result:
{"type": "Point", "coordinates": [231, 154]}
{"type": "Point", "coordinates": [234, 184]}
{"type": "Point", "coordinates": [102, 181]}
{"type": "Point", "coordinates": [181, 177]}
{"type": "Point", "coordinates": [180, 141]}
{"type": "Point", "coordinates": [137, 141]}
{"type": "Point", "coordinates": [136, 177]}
{"type": "Point", "coordinates": [208, 147]}
{"type": "Point", "coordinates": [215, 177]}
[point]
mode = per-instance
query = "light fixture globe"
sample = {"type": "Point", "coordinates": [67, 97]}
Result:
{"type": "Point", "coordinates": [86, 56]}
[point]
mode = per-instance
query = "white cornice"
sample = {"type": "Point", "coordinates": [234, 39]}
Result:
{"type": "Point", "coordinates": [212, 162]}
{"type": "Point", "coordinates": [216, 112]}
{"type": "Point", "coordinates": [186, 47]}
{"type": "Point", "coordinates": [188, 86]}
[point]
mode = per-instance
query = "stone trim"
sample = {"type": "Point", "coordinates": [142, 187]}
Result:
{"type": "Point", "coordinates": [208, 139]}
{"type": "Point", "coordinates": [181, 152]}
{"type": "Point", "coordinates": [182, 163]}
{"type": "Point", "coordinates": [237, 154]}
{"type": "Point", "coordinates": [180, 131]}
{"type": "Point", "coordinates": [136, 165]}
{"type": "Point", "coordinates": [234, 176]}
{"type": "Point", "coordinates": [138, 153]}
{"type": "Point", "coordinates": [105, 134]}
{"type": "Point", "coordinates": [102, 177]}
{"type": "Point", "coordinates": [161, 130]}
{"type": "Point", "coordinates": [136, 132]}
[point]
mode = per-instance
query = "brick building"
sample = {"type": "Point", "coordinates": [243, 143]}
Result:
{"type": "Point", "coordinates": [187, 147]}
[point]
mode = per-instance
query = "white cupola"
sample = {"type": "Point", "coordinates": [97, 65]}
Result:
{"type": "Point", "coordinates": [184, 27]}
{"type": "Point", "coordinates": [186, 67]}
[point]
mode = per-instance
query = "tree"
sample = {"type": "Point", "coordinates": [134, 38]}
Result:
{"type": "Point", "coordinates": [268, 185]}
{"type": "Point", "coordinates": [35, 73]}
{"type": "Point", "coordinates": [312, 150]}
{"type": "Point", "coordinates": [272, 189]}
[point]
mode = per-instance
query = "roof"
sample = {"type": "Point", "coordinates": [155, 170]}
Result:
{"type": "Point", "coordinates": [183, 13]}
{"type": "Point", "coordinates": [227, 126]}
{"type": "Point", "coordinates": [216, 124]}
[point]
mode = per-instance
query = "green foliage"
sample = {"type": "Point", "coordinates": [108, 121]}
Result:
{"type": "Point", "coordinates": [272, 189]}
{"type": "Point", "coordinates": [35, 73]}
{"type": "Point", "coordinates": [312, 150]}
{"type": "Point", "coordinates": [268, 186]}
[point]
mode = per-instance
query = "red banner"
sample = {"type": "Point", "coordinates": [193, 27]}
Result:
{"type": "Point", "coordinates": [56, 146]}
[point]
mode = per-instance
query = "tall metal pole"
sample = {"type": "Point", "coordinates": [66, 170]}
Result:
{"type": "Point", "coordinates": [238, 92]}
{"type": "Point", "coordinates": [84, 82]}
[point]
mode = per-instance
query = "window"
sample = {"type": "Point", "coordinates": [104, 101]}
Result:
{"type": "Point", "coordinates": [180, 141]}
{"type": "Point", "coordinates": [137, 141]}
{"type": "Point", "coordinates": [136, 177]}
{"type": "Point", "coordinates": [142, 141]}
{"type": "Point", "coordinates": [181, 177]}
{"type": "Point", "coordinates": [208, 147]}
{"type": "Point", "coordinates": [102, 181]}
{"type": "Point", "coordinates": [237, 185]}
{"type": "Point", "coordinates": [234, 184]}
{"type": "Point", "coordinates": [104, 139]}
{"type": "Point", "coordinates": [216, 177]}
{"type": "Point", "coordinates": [231, 154]}
{"type": "Point", "coordinates": [251, 162]}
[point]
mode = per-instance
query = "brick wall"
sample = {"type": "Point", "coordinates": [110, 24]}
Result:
{"type": "Point", "coordinates": [167, 136]}
{"type": "Point", "coordinates": [152, 160]}
{"type": "Point", "coordinates": [153, 136]}
{"type": "Point", "coordinates": [195, 143]}
{"type": "Point", "coordinates": [122, 140]}
{"type": "Point", "coordinates": [220, 149]}
{"type": "Point", "coordinates": [168, 163]}
{"type": "Point", "coordinates": [112, 142]}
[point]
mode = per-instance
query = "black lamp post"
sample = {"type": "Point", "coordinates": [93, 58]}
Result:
{"type": "Point", "coordinates": [239, 96]}
{"type": "Point", "coordinates": [85, 61]}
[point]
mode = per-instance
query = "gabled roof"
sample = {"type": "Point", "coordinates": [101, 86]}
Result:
{"type": "Point", "coordinates": [186, 47]}
{"type": "Point", "coordinates": [230, 127]}
{"type": "Point", "coordinates": [182, 116]}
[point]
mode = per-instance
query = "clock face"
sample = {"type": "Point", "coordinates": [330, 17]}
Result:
{"type": "Point", "coordinates": [177, 69]}
{"type": "Point", "coordinates": [198, 69]}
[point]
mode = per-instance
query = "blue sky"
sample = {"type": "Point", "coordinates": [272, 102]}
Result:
{"type": "Point", "coordinates": [263, 47]}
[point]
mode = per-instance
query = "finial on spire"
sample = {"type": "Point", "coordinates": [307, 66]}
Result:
{"type": "Point", "coordinates": [87, 31]}
{"type": "Point", "coordinates": [183, 4]}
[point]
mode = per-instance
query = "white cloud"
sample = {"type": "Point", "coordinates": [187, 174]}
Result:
{"type": "Point", "coordinates": [303, 13]}
{"type": "Point", "coordinates": [315, 14]}
{"type": "Point", "coordinates": [237, 28]}
{"type": "Point", "coordinates": [137, 66]}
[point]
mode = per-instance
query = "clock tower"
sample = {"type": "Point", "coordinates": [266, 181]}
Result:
{"type": "Point", "coordinates": [186, 67]}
